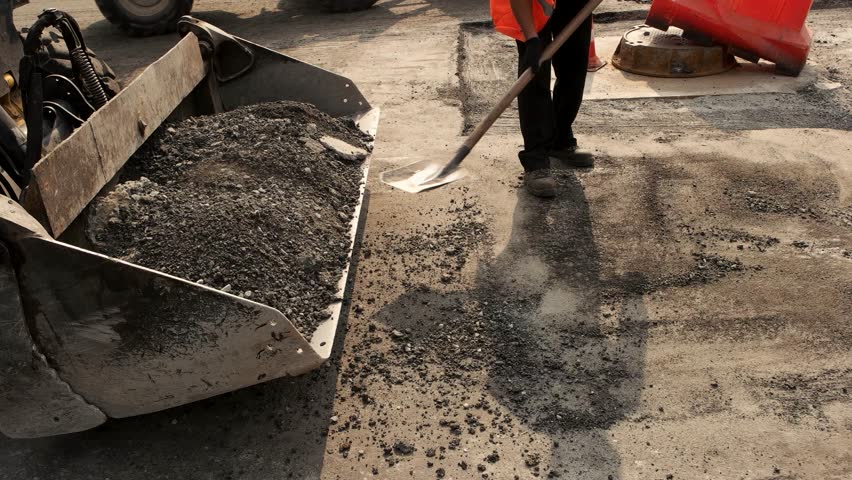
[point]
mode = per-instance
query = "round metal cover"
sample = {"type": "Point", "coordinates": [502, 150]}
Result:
{"type": "Point", "coordinates": [647, 51]}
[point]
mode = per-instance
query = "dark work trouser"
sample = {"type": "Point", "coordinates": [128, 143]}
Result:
{"type": "Point", "coordinates": [545, 121]}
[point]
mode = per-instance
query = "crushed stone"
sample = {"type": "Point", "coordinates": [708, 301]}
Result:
{"type": "Point", "coordinates": [243, 202]}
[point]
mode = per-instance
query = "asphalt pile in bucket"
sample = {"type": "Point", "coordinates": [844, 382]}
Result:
{"type": "Point", "coordinates": [256, 202]}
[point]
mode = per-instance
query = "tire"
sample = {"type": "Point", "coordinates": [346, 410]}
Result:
{"type": "Point", "coordinates": [348, 5]}
{"type": "Point", "coordinates": [142, 18]}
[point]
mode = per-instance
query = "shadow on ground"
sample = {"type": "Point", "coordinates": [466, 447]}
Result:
{"type": "Point", "coordinates": [562, 349]}
{"type": "Point", "coordinates": [293, 21]}
{"type": "Point", "coordinates": [258, 432]}
{"type": "Point", "coordinates": [571, 346]}
{"type": "Point", "coordinates": [290, 23]}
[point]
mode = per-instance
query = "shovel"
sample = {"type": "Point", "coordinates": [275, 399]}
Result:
{"type": "Point", "coordinates": [426, 174]}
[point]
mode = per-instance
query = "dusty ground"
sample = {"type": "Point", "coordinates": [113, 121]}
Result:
{"type": "Point", "coordinates": [680, 311]}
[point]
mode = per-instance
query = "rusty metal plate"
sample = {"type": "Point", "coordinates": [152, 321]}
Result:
{"type": "Point", "coordinates": [647, 51]}
{"type": "Point", "coordinates": [70, 176]}
{"type": "Point", "coordinates": [131, 340]}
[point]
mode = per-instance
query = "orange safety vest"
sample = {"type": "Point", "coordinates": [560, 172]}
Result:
{"type": "Point", "coordinates": [504, 18]}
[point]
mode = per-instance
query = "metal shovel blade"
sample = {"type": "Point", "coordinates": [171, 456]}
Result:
{"type": "Point", "coordinates": [419, 176]}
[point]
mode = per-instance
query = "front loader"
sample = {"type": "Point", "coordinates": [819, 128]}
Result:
{"type": "Point", "coordinates": [85, 337]}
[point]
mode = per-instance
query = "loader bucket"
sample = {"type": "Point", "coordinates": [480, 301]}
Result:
{"type": "Point", "coordinates": [85, 337]}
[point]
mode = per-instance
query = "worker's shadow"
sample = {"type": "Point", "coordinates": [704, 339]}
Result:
{"type": "Point", "coordinates": [564, 346]}
{"type": "Point", "coordinates": [570, 339]}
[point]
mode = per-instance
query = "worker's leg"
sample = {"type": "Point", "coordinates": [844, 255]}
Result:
{"type": "Point", "coordinates": [535, 109]}
{"type": "Point", "coordinates": [570, 64]}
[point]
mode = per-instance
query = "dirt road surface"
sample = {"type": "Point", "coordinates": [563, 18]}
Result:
{"type": "Point", "coordinates": [681, 311]}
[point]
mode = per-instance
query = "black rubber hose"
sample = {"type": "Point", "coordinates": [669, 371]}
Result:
{"type": "Point", "coordinates": [91, 83]}
{"type": "Point", "coordinates": [31, 91]}
{"type": "Point", "coordinates": [80, 60]}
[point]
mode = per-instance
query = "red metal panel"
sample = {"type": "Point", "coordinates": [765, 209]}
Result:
{"type": "Point", "coordinates": [774, 30]}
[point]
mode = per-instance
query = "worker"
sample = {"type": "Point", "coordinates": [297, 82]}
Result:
{"type": "Point", "coordinates": [546, 121]}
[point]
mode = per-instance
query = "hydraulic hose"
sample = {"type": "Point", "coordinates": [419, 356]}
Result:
{"type": "Point", "coordinates": [80, 60]}
{"type": "Point", "coordinates": [91, 83]}
{"type": "Point", "coordinates": [31, 76]}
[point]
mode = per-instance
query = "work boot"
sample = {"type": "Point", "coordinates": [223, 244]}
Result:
{"type": "Point", "coordinates": [573, 157]}
{"type": "Point", "coordinates": [540, 183]}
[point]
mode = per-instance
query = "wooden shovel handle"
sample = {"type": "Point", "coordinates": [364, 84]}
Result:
{"type": "Point", "coordinates": [521, 83]}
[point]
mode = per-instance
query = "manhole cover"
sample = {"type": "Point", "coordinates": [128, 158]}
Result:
{"type": "Point", "coordinates": [647, 51]}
